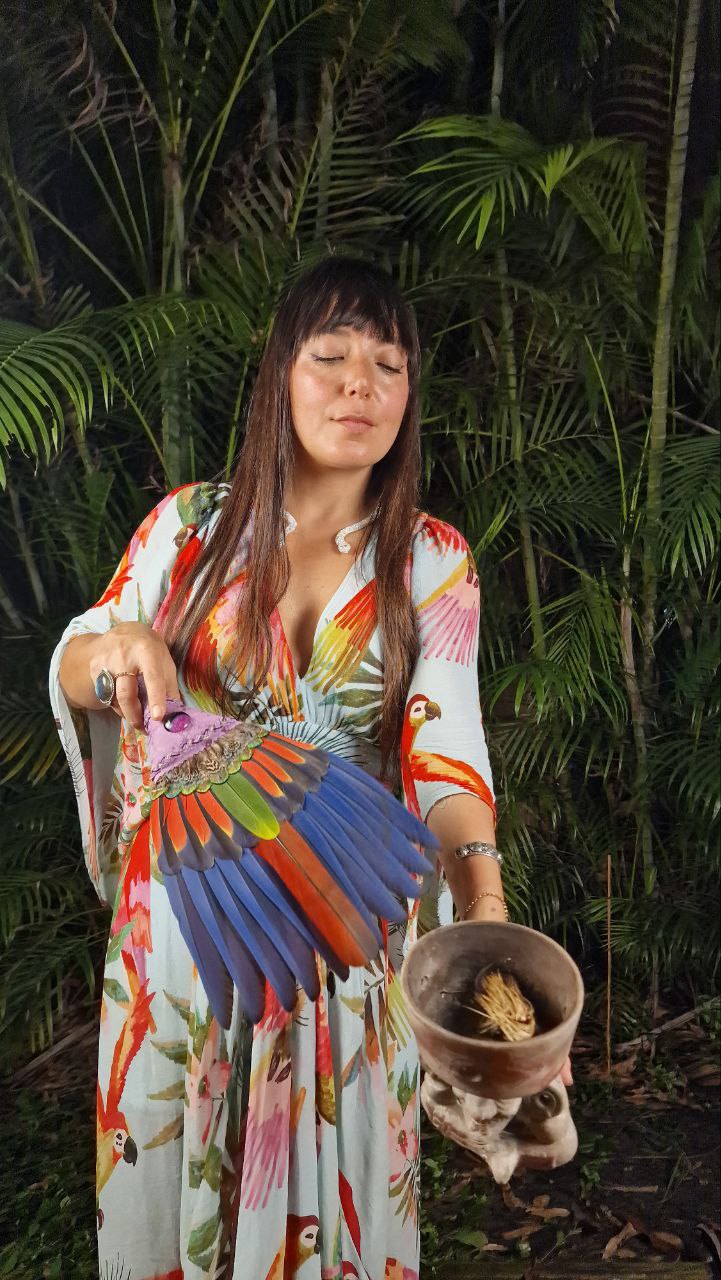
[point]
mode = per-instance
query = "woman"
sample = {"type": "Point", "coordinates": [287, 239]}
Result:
{"type": "Point", "coordinates": [313, 596]}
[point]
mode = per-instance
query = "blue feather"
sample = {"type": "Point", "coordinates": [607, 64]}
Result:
{"type": "Point", "coordinates": [213, 974]}
{"type": "Point", "coordinates": [243, 956]}
{"type": "Point", "coordinates": [375, 792]}
{"type": "Point", "coordinates": [363, 888]}
{"type": "Point", "coordinates": [234, 893]}
{"type": "Point", "coordinates": [374, 826]}
{"type": "Point", "coordinates": [365, 854]}
{"type": "Point", "coordinates": [271, 883]}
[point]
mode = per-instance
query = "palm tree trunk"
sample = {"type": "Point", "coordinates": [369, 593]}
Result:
{"type": "Point", "coordinates": [269, 116]}
{"type": "Point", "coordinates": [175, 421]}
{"type": "Point", "coordinates": [26, 551]}
{"type": "Point", "coordinates": [662, 346]}
{"type": "Point", "coordinates": [508, 357]}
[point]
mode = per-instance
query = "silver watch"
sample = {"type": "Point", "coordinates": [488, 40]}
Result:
{"type": "Point", "coordinates": [479, 848]}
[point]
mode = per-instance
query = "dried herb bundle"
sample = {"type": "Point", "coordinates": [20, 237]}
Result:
{"type": "Point", "coordinates": [502, 1009]}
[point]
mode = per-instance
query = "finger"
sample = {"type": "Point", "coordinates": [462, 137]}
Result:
{"type": "Point", "coordinates": [127, 702]}
{"type": "Point", "coordinates": [171, 683]}
{"type": "Point", "coordinates": [155, 687]}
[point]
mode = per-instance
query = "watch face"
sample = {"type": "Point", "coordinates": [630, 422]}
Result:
{"type": "Point", "coordinates": [105, 688]}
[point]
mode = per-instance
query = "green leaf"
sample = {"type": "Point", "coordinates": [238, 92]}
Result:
{"type": "Point", "coordinates": [474, 1239]}
{"type": "Point", "coordinates": [169, 1133]}
{"type": "Point", "coordinates": [176, 1050]}
{"type": "Point", "coordinates": [115, 990]}
{"type": "Point", "coordinates": [116, 943]}
{"type": "Point", "coordinates": [202, 1238]}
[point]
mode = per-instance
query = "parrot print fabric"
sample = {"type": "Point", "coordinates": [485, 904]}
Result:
{"type": "Point", "coordinates": [289, 1148]}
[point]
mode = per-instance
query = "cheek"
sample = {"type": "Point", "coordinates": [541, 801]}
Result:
{"type": "Point", "coordinates": [308, 389]}
{"type": "Point", "coordinates": [394, 401]}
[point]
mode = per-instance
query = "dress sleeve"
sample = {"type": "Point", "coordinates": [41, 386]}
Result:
{"type": "Point", "coordinates": [444, 747]}
{"type": "Point", "coordinates": [101, 772]}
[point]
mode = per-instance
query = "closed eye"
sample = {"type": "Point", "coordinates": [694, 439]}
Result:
{"type": "Point", "coordinates": [388, 368]}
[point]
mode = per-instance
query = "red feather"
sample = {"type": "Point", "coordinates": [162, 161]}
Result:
{"type": "Point", "coordinates": [349, 1212]}
{"type": "Point", "coordinates": [324, 903]}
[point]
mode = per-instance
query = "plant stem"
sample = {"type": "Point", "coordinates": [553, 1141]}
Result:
{"type": "Point", "coordinates": [608, 964]}
{"type": "Point", "coordinates": [175, 422]}
{"type": "Point", "coordinates": [508, 357]}
{"type": "Point", "coordinates": [662, 345]}
{"type": "Point", "coordinates": [26, 551]}
{"type": "Point", "coordinates": [8, 608]}
{"type": "Point", "coordinates": [638, 724]}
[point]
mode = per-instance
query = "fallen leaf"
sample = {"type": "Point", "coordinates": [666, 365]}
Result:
{"type": "Point", "coordinates": [701, 1069]}
{"type": "Point", "coordinates": [510, 1200]}
{"type": "Point", "coordinates": [614, 1244]}
{"type": "Point", "coordinates": [626, 1253]}
{"type": "Point", "coordinates": [540, 1202]}
{"type": "Point", "coordinates": [613, 1186]}
{"type": "Point", "coordinates": [665, 1241]}
{"type": "Point", "coordinates": [549, 1214]}
{"type": "Point", "coordinates": [626, 1066]}
{"type": "Point", "coordinates": [520, 1233]}
{"type": "Point", "coordinates": [707, 1073]}
{"type": "Point", "coordinates": [494, 1248]}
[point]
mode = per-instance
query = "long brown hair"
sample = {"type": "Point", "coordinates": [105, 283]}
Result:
{"type": "Point", "coordinates": [337, 292]}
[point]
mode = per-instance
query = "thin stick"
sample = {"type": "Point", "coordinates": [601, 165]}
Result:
{"type": "Point", "coordinates": [608, 964]}
{"type": "Point", "coordinates": [671, 1025]}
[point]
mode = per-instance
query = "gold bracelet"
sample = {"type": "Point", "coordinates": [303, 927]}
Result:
{"type": "Point", "coordinates": [487, 893]}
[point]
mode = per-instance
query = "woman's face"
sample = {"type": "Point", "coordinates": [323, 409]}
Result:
{"type": "Point", "coordinates": [348, 394]}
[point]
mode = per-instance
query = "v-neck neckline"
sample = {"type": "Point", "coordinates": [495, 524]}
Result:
{"type": "Point", "coordinates": [300, 679]}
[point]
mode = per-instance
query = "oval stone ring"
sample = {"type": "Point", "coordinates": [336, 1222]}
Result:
{"type": "Point", "coordinates": [105, 683]}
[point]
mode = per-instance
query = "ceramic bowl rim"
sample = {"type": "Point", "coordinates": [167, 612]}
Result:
{"type": "Point", "coordinates": [496, 1046]}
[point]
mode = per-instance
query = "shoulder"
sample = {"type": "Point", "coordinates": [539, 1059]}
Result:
{"type": "Point", "coordinates": [184, 511]}
{"type": "Point", "coordinates": [196, 504]}
{"type": "Point", "coordinates": [440, 556]}
{"type": "Point", "coordinates": [435, 537]}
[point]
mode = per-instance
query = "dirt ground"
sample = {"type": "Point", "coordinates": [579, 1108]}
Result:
{"type": "Point", "coordinates": [644, 1185]}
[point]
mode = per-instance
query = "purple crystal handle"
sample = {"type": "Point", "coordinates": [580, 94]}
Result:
{"type": "Point", "coordinates": [182, 732]}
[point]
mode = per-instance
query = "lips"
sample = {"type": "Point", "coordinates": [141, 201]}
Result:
{"type": "Point", "coordinates": [356, 422]}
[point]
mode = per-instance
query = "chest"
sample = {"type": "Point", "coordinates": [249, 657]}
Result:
{"type": "Point", "coordinates": [317, 575]}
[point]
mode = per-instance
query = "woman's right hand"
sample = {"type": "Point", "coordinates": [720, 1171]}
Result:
{"type": "Point", "coordinates": [134, 647]}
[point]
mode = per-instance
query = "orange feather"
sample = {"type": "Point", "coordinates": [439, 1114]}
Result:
{"type": "Point", "coordinates": [318, 893]}
{"type": "Point", "coordinates": [271, 765]}
{"type": "Point", "coordinates": [283, 750]}
{"type": "Point", "coordinates": [261, 776]}
{"type": "Point", "coordinates": [212, 809]}
{"type": "Point", "coordinates": [174, 824]}
{"type": "Point", "coordinates": [196, 817]}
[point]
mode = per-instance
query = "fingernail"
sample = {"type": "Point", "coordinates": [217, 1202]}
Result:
{"type": "Point", "coordinates": [157, 711]}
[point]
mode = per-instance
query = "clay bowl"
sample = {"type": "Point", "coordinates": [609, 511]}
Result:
{"type": "Point", "coordinates": [447, 961]}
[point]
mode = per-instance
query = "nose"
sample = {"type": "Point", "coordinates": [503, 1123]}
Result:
{"type": "Point", "coordinates": [357, 379]}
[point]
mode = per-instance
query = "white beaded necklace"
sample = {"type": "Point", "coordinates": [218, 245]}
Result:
{"type": "Point", "coordinates": [340, 539]}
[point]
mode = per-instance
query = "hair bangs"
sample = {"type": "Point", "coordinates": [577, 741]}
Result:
{"type": "Point", "coordinates": [349, 293]}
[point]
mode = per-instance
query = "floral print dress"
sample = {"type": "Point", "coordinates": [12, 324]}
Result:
{"type": "Point", "coordinates": [289, 1148]}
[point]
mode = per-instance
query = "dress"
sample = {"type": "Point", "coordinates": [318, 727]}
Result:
{"type": "Point", "coordinates": [290, 1148]}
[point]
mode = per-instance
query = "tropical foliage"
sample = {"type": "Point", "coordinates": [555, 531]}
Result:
{"type": "Point", "coordinates": [547, 193]}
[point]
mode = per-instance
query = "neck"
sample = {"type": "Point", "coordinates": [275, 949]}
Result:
{"type": "Point", "coordinates": [328, 499]}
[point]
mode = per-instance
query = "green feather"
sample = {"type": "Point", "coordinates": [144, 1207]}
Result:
{"type": "Point", "coordinates": [240, 799]}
